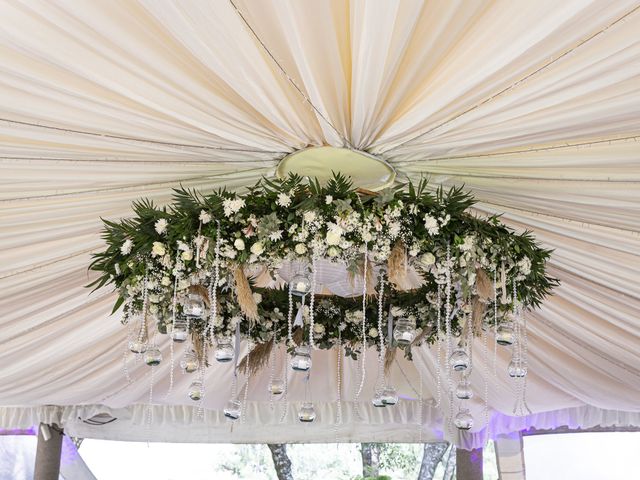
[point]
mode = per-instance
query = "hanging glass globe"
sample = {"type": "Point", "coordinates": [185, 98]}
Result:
{"type": "Point", "coordinates": [307, 413]}
{"type": "Point", "coordinates": [180, 331]}
{"type": "Point", "coordinates": [389, 395]}
{"type": "Point", "coordinates": [516, 369]}
{"type": "Point", "coordinates": [459, 360]}
{"type": "Point", "coordinates": [300, 285]}
{"type": "Point", "coordinates": [404, 332]}
{"type": "Point", "coordinates": [224, 350]}
{"type": "Point", "coordinates": [463, 420]}
{"type": "Point", "coordinates": [504, 335]}
{"type": "Point", "coordinates": [377, 400]}
{"type": "Point", "coordinates": [193, 306]}
{"type": "Point", "coordinates": [196, 390]}
{"type": "Point", "coordinates": [463, 390]}
{"type": "Point", "coordinates": [153, 355]}
{"type": "Point", "coordinates": [301, 360]}
{"type": "Point", "coordinates": [137, 346]}
{"type": "Point", "coordinates": [189, 362]}
{"type": "Point", "coordinates": [233, 410]}
{"type": "Point", "coordinates": [276, 387]}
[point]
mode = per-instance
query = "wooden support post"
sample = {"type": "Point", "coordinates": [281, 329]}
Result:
{"type": "Point", "coordinates": [469, 464]}
{"type": "Point", "coordinates": [48, 452]}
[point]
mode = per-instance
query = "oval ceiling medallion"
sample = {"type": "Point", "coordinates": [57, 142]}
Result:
{"type": "Point", "coordinates": [365, 170]}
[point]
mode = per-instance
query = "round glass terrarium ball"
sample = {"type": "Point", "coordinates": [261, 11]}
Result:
{"type": "Point", "coordinates": [180, 330]}
{"type": "Point", "coordinates": [377, 400]}
{"type": "Point", "coordinates": [516, 369]}
{"type": "Point", "coordinates": [459, 360]}
{"type": "Point", "coordinates": [463, 419]}
{"type": "Point", "coordinates": [196, 390]}
{"type": "Point", "coordinates": [137, 346]}
{"type": "Point", "coordinates": [463, 389]}
{"type": "Point", "coordinates": [276, 387]}
{"type": "Point", "coordinates": [389, 395]}
{"type": "Point", "coordinates": [233, 410]}
{"type": "Point", "coordinates": [307, 413]}
{"type": "Point", "coordinates": [153, 355]}
{"type": "Point", "coordinates": [189, 362]}
{"type": "Point", "coordinates": [224, 350]}
{"type": "Point", "coordinates": [301, 360]}
{"type": "Point", "coordinates": [193, 306]}
{"type": "Point", "coordinates": [504, 334]}
{"type": "Point", "coordinates": [404, 332]}
{"type": "Point", "coordinates": [300, 285]}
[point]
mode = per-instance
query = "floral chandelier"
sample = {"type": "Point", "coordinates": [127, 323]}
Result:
{"type": "Point", "coordinates": [303, 266]}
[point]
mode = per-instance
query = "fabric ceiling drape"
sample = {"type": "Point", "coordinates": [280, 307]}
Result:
{"type": "Point", "coordinates": [533, 106]}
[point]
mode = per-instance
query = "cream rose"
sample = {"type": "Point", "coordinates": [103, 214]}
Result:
{"type": "Point", "coordinates": [427, 259]}
{"type": "Point", "coordinates": [301, 249]}
{"type": "Point", "coordinates": [257, 248]}
{"type": "Point", "coordinates": [239, 244]}
{"type": "Point", "coordinates": [158, 249]}
{"type": "Point", "coordinates": [333, 237]}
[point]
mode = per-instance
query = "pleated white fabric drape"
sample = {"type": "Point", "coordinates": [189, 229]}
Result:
{"type": "Point", "coordinates": [533, 106]}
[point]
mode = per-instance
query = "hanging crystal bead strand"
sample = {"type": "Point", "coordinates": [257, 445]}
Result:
{"type": "Point", "coordinates": [173, 325]}
{"type": "Point", "coordinates": [381, 352]}
{"type": "Point", "coordinates": [495, 325]}
{"type": "Point", "coordinates": [213, 286]}
{"type": "Point", "coordinates": [339, 385]}
{"type": "Point", "coordinates": [438, 348]}
{"type": "Point", "coordinates": [312, 302]}
{"type": "Point", "coordinates": [364, 331]}
{"type": "Point", "coordinates": [290, 316]}
{"type": "Point", "coordinates": [485, 354]}
{"type": "Point", "coordinates": [247, 373]}
{"type": "Point", "coordinates": [447, 322]}
{"type": "Point", "coordinates": [126, 351]}
{"type": "Point", "coordinates": [525, 365]}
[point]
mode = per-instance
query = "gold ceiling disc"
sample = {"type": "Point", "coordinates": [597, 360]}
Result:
{"type": "Point", "coordinates": [364, 170]}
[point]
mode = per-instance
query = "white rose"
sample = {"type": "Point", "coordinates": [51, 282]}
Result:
{"type": "Point", "coordinates": [427, 259]}
{"type": "Point", "coordinates": [301, 249]}
{"type": "Point", "coordinates": [158, 249]}
{"type": "Point", "coordinates": [333, 251]}
{"type": "Point", "coordinates": [373, 333]}
{"type": "Point", "coordinates": [125, 249]}
{"type": "Point", "coordinates": [366, 236]}
{"type": "Point", "coordinates": [166, 281]}
{"type": "Point", "coordinates": [257, 248]}
{"type": "Point", "coordinates": [239, 244]}
{"type": "Point", "coordinates": [257, 297]}
{"type": "Point", "coordinates": [333, 237]}
{"type": "Point", "coordinates": [318, 328]}
{"type": "Point", "coordinates": [186, 255]}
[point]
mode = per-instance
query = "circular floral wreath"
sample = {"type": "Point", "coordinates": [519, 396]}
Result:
{"type": "Point", "coordinates": [223, 245]}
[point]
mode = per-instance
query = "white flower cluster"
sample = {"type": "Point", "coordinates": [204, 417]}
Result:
{"type": "Point", "coordinates": [232, 205]}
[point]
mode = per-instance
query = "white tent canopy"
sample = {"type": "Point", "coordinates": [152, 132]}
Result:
{"type": "Point", "coordinates": [533, 106]}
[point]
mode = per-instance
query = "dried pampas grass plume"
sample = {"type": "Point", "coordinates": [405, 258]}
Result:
{"type": "Point", "coordinates": [257, 358]}
{"type": "Point", "coordinates": [244, 295]}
